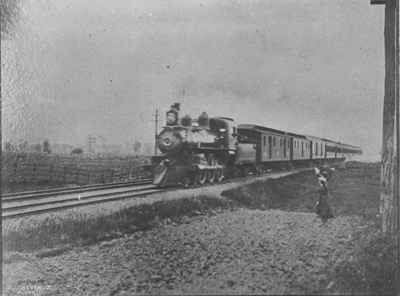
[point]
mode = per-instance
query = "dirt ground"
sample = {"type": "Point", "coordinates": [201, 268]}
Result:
{"type": "Point", "coordinates": [283, 249]}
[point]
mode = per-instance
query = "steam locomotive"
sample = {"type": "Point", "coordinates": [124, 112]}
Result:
{"type": "Point", "coordinates": [208, 150]}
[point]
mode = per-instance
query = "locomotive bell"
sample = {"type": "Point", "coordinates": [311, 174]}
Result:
{"type": "Point", "coordinates": [169, 141]}
{"type": "Point", "coordinates": [203, 120]}
{"type": "Point", "coordinates": [186, 121]}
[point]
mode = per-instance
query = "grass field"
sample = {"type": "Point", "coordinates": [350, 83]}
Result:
{"type": "Point", "coordinates": [368, 266]}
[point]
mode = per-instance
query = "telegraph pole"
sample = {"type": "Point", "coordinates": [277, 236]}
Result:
{"type": "Point", "coordinates": [91, 141]}
{"type": "Point", "coordinates": [396, 199]}
{"type": "Point", "coordinates": [155, 131]}
{"type": "Point", "coordinates": [390, 177]}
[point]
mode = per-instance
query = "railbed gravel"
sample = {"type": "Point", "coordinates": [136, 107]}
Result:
{"type": "Point", "coordinates": [234, 251]}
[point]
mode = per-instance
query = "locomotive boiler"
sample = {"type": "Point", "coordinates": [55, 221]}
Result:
{"type": "Point", "coordinates": [194, 150]}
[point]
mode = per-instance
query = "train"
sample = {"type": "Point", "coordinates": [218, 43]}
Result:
{"type": "Point", "coordinates": [211, 149]}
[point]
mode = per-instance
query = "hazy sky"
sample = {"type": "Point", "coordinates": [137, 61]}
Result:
{"type": "Point", "coordinates": [76, 67]}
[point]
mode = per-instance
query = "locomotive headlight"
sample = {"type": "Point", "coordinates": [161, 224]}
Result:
{"type": "Point", "coordinates": [169, 141]}
{"type": "Point", "coordinates": [166, 141]}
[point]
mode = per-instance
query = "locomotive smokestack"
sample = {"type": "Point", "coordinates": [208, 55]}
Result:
{"type": "Point", "coordinates": [173, 114]}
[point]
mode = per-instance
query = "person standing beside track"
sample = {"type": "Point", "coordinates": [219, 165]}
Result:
{"type": "Point", "coordinates": [322, 208]}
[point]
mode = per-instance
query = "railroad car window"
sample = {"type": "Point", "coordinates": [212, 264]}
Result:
{"type": "Point", "coordinates": [274, 141]}
{"type": "Point", "coordinates": [316, 148]}
{"type": "Point", "coordinates": [270, 147]}
{"type": "Point", "coordinates": [265, 140]}
{"type": "Point", "coordinates": [284, 147]}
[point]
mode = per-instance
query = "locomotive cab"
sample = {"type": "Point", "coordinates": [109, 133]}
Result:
{"type": "Point", "coordinates": [227, 130]}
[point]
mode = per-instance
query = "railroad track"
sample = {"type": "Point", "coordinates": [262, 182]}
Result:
{"type": "Point", "coordinates": [36, 202]}
{"type": "Point", "coordinates": [28, 203]}
{"type": "Point", "coordinates": [67, 190]}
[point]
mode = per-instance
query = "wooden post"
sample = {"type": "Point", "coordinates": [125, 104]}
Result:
{"type": "Point", "coordinates": [396, 197]}
{"type": "Point", "coordinates": [388, 169]}
{"type": "Point", "coordinates": [390, 177]}
{"type": "Point", "coordinates": [155, 132]}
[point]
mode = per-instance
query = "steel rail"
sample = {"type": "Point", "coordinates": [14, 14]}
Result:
{"type": "Point", "coordinates": [39, 209]}
{"type": "Point", "coordinates": [16, 205]}
{"type": "Point", "coordinates": [67, 190]}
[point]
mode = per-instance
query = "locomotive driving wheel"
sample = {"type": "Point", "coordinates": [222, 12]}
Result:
{"type": "Point", "coordinates": [211, 176]}
{"type": "Point", "coordinates": [201, 177]}
{"type": "Point", "coordinates": [219, 175]}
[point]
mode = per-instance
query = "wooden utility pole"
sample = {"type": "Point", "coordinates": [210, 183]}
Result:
{"type": "Point", "coordinates": [155, 132]}
{"type": "Point", "coordinates": [91, 141]}
{"type": "Point", "coordinates": [390, 199]}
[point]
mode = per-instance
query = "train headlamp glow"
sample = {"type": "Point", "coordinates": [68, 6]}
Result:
{"type": "Point", "coordinates": [167, 141]}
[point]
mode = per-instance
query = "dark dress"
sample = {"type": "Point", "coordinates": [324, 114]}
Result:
{"type": "Point", "coordinates": [322, 208]}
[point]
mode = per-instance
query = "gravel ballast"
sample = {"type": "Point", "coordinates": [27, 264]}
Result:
{"type": "Point", "coordinates": [241, 251]}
